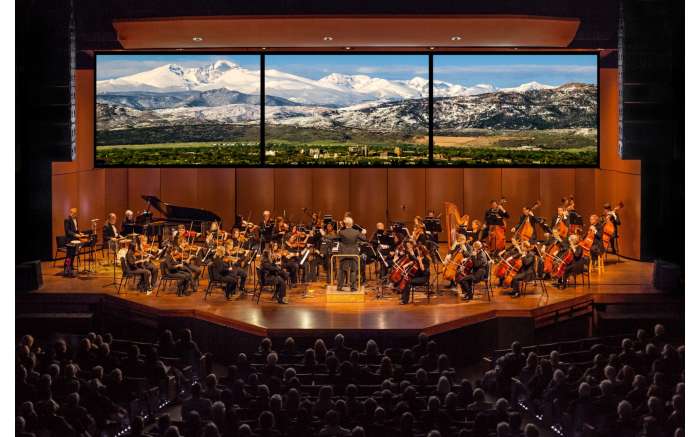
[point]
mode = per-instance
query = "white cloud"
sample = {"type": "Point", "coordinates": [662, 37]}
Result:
{"type": "Point", "coordinates": [516, 68]}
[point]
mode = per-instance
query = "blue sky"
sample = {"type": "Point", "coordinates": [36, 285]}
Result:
{"type": "Point", "coordinates": [111, 66]}
{"type": "Point", "coordinates": [512, 70]}
{"type": "Point", "coordinates": [394, 67]}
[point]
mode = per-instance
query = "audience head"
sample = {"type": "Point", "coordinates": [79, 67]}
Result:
{"type": "Point", "coordinates": [503, 429]}
{"type": "Point", "coordinates": [531, 430]}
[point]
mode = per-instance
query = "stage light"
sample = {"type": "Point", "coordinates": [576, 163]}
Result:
{"type": "Point", "coordinates": [348, 48]}
{"type": "Point", "coordinates": [456, 38]}
{"type": "Point", "coordinates": [328, 38]}
{"type": "Point", "coordinates": [431, 48]}
{"type": "Point", "coordinates": [197, 38]}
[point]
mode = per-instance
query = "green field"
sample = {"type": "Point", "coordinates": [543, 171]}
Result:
{"type": "Point", "coordinates": [191, 153]}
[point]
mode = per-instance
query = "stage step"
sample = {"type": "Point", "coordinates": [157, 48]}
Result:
{"type": "Point", "coordinates": [333, 295]}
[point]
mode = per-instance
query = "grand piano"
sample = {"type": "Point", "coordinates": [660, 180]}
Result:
{"type": "Point", "coordinates": [172, 215]}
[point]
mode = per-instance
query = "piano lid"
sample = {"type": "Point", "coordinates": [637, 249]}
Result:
{"type": "Point", "coordinates": [180, 213]}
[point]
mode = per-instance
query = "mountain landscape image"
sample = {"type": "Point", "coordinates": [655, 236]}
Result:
{"type": "Point", "coordinates": [342, 110]}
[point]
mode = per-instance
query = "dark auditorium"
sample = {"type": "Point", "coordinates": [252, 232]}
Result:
{"type": "Point", "coordinates": [349, 218]}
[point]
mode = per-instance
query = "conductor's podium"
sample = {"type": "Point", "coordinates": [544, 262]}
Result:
{"type": "Point", "coordinates": [333, 295]}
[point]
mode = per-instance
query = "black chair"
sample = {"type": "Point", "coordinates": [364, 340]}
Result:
{"type": "Point", "coordinates": [486, 284]}
{"type": "Point", "coordinates": [585, 273]}
{"type": "Point", "coordinates": [261, 285]}
{"type": "Point", "coordinates": [127, 274]}
{"type": "Point", "coordinates": [61, 241]}
{"type": "Point", "coordinates": [427, 288]}
{"type": "Point", "coordinates": [165, 278]}
{"type": "Point", "coordinates": [213, 283]}
{"type": "Point", "coordinates": [536, 281]}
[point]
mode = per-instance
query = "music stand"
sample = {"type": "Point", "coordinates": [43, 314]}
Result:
{"type": "Point", "coordinates": [433, 226]}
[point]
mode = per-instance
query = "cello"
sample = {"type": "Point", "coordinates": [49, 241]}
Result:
{"type": "Point", "coordinates": [514, 267]}
{"type": "Point", "coordinates": [452, 263]}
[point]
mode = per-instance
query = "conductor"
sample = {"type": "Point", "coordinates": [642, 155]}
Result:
{"type": "Point", "coordinates": [349, 238]}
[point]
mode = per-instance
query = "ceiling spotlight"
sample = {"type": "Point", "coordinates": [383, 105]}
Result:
{"type": "Point", "coordinates": [263, 48]}
{"type": "Point", "coordinates": [456, 38]}
{"type": "Point", "coordinates": [431, 48]}
{"type": "Point", "coordinates": [348, 48]}
{"type": "Point", "coordinates": [197, 38]}
{"type": "Point", "coordinates": [328, 38]}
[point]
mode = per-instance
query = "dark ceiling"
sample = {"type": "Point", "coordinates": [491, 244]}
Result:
{"type": "Point", "coordinates": [598, 28]}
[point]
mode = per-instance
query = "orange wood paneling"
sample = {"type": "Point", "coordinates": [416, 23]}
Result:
{"type": "Point", "coordinates": [444, 185]}
{"type": "Point", "coordinates": [216, 192]}
{"type": "Point", "coordinates": [554, 184]}
{"type": "Point", "coordinates": [585, 192]}
{"type": "Point", "coordinates": [609, 118]}
{"type": "Point", "coordinates": [91, 202]}
{"type": "Point", "coordinates": [362, 31]}
{"type": "Point", "coordinates": [292, 192]}
{"type": "Point", "coordinates": [368, 196]}
{"type": "Point", "coordinates": [178, 186]}
{"type": "Point", "coordinates": [116, 195]}
{"type": "Point", "coordinates": [142, 181]}
{"type": "Point", "coordinates": [521, 186]}
{"type": "Point", "coordinates": [330, 190]}
{"type": "Point", "coordinates": [255, 192]}
{"type": "Point", "coordinates": [64, 195]}
{"type": "Point", "coordinates": [615, 187]}
{"type": "Point", "coordinates": [406, 194]}
{"type": "Point", "coordinates": [480, 186]}
{"type": "Point", "coordinates": [85, 116]}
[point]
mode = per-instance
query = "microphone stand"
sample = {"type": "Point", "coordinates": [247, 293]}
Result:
{"type": "Point", "coordinates": [114, 282]}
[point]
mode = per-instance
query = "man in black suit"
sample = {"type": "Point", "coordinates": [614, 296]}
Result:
{"type": "Point", "coordinates": [128, 222]}
{"type": "Point", "coordinates": [267, 226]}
{"type": "Point", "coordinates": [349, 245]}
{"type": "Point", "coordinates": [70, 227]}
{"type": "Point", "coordinates": [110, 231]}
{"type": "Point", "coordinates": [273, 274]}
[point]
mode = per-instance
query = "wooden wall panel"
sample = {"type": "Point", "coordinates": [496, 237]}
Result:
{"type": "Point", "coordinates": [609, 119]}
{"type": "Point", "coordinates": [178, 186]}
{"type": "Point", "coordinates": [64, 195]}
{"type": "Point", "coordinates": [480, 186]}
{"type": "Point", "coordinates": [406, 194]}
{"type": "Point", "coordinates": [255, 192]}
{"type": "Point", "coordinates": [116, 195]}
{"type": "Point", "coordinates": [330, 190]}
{"type": "Point", "coordinates": [292, 192]}
{"type": "Point", "coordinates": [585, 191]}
{"type": "Point", "coordinates": [216, 192]}
{"type": "Point", "coordinates": [85, 123]}
{"type": "Point", "coordinates": [555, 183]}
{"type": "Point", "coordinates": [368, 196]}
{"type": "Point", "coordinates": [142, 181]}
{"type": "Point", "coordinates": [521, 186]}
{"type": "Point", "coordinates": [91, 202]}
{"type": "Point", "coordinates": [615, 187]}
{"type": "Point", "coordinates": [444, 185]}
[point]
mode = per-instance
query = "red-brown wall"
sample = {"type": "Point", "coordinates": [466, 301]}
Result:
{"type": "Point", "coordinates": [371, 194]}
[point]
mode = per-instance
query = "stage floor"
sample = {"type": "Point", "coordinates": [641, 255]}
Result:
{"type": "Point", "coordinates": [626, 281]}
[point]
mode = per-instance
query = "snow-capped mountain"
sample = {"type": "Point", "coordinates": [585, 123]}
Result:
{"type": "Point", "coordinates": [334, 90]}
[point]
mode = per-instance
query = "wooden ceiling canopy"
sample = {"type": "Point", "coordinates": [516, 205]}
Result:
{"type": "Point", "coordinates": [337, 32]}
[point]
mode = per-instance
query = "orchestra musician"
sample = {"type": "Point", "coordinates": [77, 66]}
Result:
{"type": "Point", "coordinates": [418, 235]}
{"type": "Point", "coordinates": [237, 270]}
{"type": "Point", "coordinates": [143, 258]}
{"type": "Point", "coordinates": [596, 227]}
{"type": "Point", "coordinates": [419, 255]}
{"type": "Point", "coordinates": [610, 215]}
{"type": "Point", "coordinates": [110, 233]}
{"type": "Point", "coordinates": [560, 221]}
{"type": "Point", "coordinates": [384, 245]}
{"type": "Point", "coordinates": [70, 227]}
{"type": "Point", "coordinates": [527, 270]}
{"type": "Point", "coordinates": [177, 270]}
{"type": "Point", "coordinates": [146, 279]}
{"type": "Point", "coordinates": [349, 239]}
{"type": "Point", "coordinates": [577, 265]}
{"type": "Point", "coordinates": [273, 274]}
{"type": "Point", "coordinates": [494, 225]}
{"type": "Point", "coordinates": [475, 232]}
{"type": "Point", "coordinates": [477, 273]}
{"type": "Point", "coordinates": [575, 219]}
{"type": "Point", "coordinates": [460, 245]}
{"type": "Point", "coordinates": [222, 272]}
{"type": "Point", "coordinates": [266, 227]}
{"type": "Point", "coordinates": [128, 222]}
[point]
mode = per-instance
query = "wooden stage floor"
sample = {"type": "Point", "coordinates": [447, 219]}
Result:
{"type": "Point", "coordinates": [626, 281]}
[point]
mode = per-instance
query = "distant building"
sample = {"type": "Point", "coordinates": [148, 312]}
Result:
{"type": "Point", "coordinates": [384, 155]}
{"type": "Point", "coordinates": [270, 153]}
{"type": "Point", "coordinates": [397, 151]}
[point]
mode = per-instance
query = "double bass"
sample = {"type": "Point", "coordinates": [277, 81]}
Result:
{"type": "Point", "coordinates": [526, 229]}
{"type": "Point", "coordinates": [497, 234]}
{"type": "Point", "coordinates": [609, 227]}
